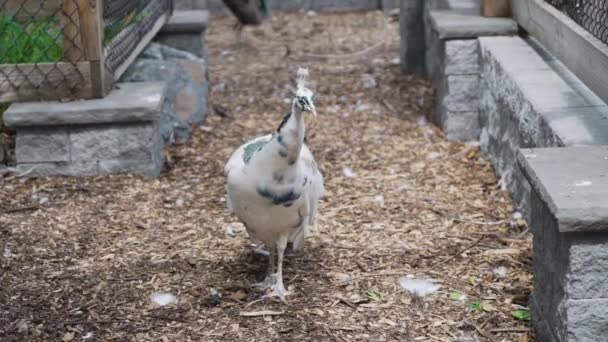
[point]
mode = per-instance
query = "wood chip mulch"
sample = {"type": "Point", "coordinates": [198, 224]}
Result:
{"type": "Point", "coordinates": [80, 258]}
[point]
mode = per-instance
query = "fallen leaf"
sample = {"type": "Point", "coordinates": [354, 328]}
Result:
{"type": "Point", "coordinates": [67, 337]}
{"type": "Point", "coordinates": [522, 315]}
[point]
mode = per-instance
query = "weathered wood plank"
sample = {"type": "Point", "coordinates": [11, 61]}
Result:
{"type": "Point", "coordinates": [585, 55]}
{"type": "Point", "coordinates": [91, 19]}
{"type": "Point", "coordinates": [496, 8]}
{"type": "Point", "coordinates": [51, 81]}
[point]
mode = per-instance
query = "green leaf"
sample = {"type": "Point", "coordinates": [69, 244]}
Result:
{"type": "Point", "coordinates": [373, 295]}
{"type": "Point", "coordinates": [522, 315]}
{"type": "Point", "coordinates": [455, 295]}
{"type": "Point", "coordinates": [476, 306]}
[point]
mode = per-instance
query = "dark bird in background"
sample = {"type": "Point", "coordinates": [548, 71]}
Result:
{"type": "Point", "coordinates": [248, 13]}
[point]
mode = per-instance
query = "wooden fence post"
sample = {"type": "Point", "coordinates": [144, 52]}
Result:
{"type": "Point", "coordinates": [91, 31]}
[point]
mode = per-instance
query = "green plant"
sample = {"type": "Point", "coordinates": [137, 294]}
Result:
{"type": "Point", "coordinates": [36, 42]}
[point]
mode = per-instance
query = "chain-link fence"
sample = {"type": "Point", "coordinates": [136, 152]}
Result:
{"type": "Point", "coordinates": [592, 15]}
{"type": "Point", "coordinates": [70, 49]}
{"type": "Point", "coordinates": [126, 24]}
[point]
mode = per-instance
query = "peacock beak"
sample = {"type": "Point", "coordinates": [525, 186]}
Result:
{"type": "Point", "coordinates": [313, 110]}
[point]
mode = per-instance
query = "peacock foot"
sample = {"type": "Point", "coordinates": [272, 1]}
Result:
{"type": "Point", "coordinates": [267, 283]}
{"type": "Point", "coordinates": [278, 290]}
{"type": "Point", "coordinates": [260, 250]}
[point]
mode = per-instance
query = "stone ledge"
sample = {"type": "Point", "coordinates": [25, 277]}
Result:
{"type": "Point", "coordinates": [129, 102]}
{"type": "Point", "coordinates": [573, 182]}
{"type": "Point", "coordinates": [187, 21]}
{"type": "Point", "coordinates": [459, 24]}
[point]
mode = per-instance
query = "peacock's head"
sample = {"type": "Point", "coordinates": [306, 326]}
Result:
{"type": "Point", "coordinates": [305, 99]}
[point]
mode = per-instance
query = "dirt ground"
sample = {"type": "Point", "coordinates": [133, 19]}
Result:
{"type": "Point", "coordinates": [81, 257]}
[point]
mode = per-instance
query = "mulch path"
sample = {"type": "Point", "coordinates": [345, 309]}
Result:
{"type": "Point", "coordinates": [80, 258]}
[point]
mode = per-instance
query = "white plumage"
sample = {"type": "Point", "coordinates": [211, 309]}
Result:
{"type": "Point", "coordinates": [274, 185]}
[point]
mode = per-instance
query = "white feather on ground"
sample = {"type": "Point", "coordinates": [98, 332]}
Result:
{"type": "Point", "coordinates": [163, 299]}
{"type": "Point", "coordinates": [419, 287]}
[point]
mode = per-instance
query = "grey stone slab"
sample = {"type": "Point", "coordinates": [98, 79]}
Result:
{"type": "Point", "coordinates": [461, 57]}
{"type": "Point", "coordinates": [127, 103]}
{"type": "Point", "coordinates": [42, 144]}
{"type": "Point", "coordinates": [292, 5]}
{"type": "Point", "coordinates": [579, 126]}
{"type": "Point", "coordinates": [187, 21]}
{"type": "Point", "coordinates": [453, 24]}
{"type": "Point", "coordinates": [576, 195]}
{"type": "Point", "coordinates": [112, 142]}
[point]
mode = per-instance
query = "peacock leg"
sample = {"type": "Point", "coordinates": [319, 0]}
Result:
{"type": "Point", "coordinates": [270, 278]}
{"type": "Point", "coordinates": [278, 289]}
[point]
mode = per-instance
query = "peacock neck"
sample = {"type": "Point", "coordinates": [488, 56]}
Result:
{"type": "Point", "coordinates": [291, 135]}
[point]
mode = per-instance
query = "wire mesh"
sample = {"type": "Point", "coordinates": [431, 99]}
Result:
{"type": "Point", "coordinates": [592, 15]}
{"type": "Point", "coordinates": [126, 22]}
{"type": "Point", "coordinates": [39, 48]}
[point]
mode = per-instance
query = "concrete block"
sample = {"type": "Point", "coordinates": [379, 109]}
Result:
{"type": "Point", "coordinates": [587, 319]}
{"type": "Point", "coordinates": [127, 103]}
{"type": "Point", "coordinates": [108, 142]}
{"type": "Point", "coordinates": [461, 126]}
{"type": "Point", "coordinates": [459, 93]}
{"type": "Point", "coordinates": [452, 24]}
{"type": "Point", "coordinates": [43, 144]}
{"type": "Point", "coordinates": [461, 57]}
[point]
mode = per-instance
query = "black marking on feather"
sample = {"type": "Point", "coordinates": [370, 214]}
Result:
{"type": "Point", "coordinates": [281, 140]}
{"type": "Point", "coordinates": [288, 197]}
{"type": "Point", "coordinates": [285, 119]}
{"type": "Point", "coordinates": [290, 162]}
{"type": "Point", "coordinates": [277, 177]}
{"type": "Point", "coordinates": [285, 199]}
{"type": "Point", "coordinates": [305, 181]}
{"type": "Point", "coordinates": [283, 153]}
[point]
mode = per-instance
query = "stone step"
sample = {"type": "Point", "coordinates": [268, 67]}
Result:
{"type": "Point", "coordinates": [569, 222]}
{"type": "Point", "coordinates": [467, 23]}
{"type": "Point", "coordinates": [119, 133]}
{"type": "Point", "coordinates": [186, 31]}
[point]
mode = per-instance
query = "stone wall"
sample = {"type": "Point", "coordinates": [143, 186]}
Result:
{"type": "Point", "coordinates": [529, 99]}
{"type": "Point", "coordinates": [119, 133]}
